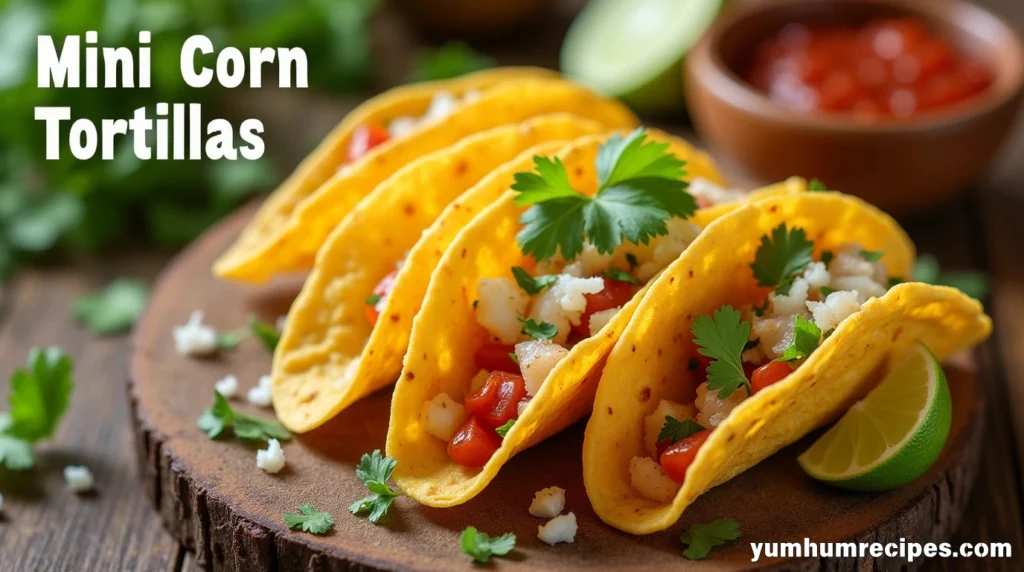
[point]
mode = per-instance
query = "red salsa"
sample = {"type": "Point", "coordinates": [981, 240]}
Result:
{"type": "Point", "coordinates": [888, 68]}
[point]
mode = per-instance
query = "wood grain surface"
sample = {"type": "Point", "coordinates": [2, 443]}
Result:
{"type": "Point", "coordinates": [44, 527]}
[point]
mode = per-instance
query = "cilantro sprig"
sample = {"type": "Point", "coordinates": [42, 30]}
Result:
{"type": "Point", "coordinates": [927, 269]}
{"type": "Point", "coordinates": [621, 276]}
{"type": "Point", "coordinates": [780, 257]}
{"type": "Point", "coordinates": [722, 338]}
{"type": "Point", "coordinates": [309, 519]}
{"type": "Point", "coordinates": [701, 538]}
{"type": "Point", "coordinates": [38, 398]}
{"type": "Point", "coordinates": [538, 330]}
{"type": "Point", "coordinates": [221, 417]}
{"type": "Point", "coordinates": [266, 333]}
{"type": "Point", "coordinates": [529, 284]}
{"type": "Point", "coordinates": [806, 336]}
{"type": "Point", "coordinates": [482, 547]}
{"type": "Point", "coordinates": [675, 430]}
{"type": "Point", "coordinates": [114, 309]}
{"type": "Point", "coordinates": [374, 470]}
{"type": "Point", "coordinates": [640, 186]}
{"type": "Point", "coordinates": [504, 429]}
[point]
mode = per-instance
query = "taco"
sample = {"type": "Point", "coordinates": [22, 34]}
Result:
{"type": "Point", "coordinates": [508, 345]}
{"type": "Point", "coordinates": [348, 329]}
{"type": "Point", "coordinates": [799, 310]}
{"type": "Point", "coordinates": [361, 152]}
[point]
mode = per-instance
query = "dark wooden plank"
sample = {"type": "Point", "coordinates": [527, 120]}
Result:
{"type": "Point", "coordinates": [46, 527]}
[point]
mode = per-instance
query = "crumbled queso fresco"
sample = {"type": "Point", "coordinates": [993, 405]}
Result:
{"type": "Point", "coordinates": [78, 479]}
{"type": "Point", "coordinates": [228, 386]}
{"type": "Point", "coordinates": [559, 529]}
{"type": "Point", "coordinates": [271, 459]}
{"type": "Point", "coordinates": [441, 105]}
{"type": "Point", "coordinates": [261, 395]}
{"type": "Point", "coordinates": [195, 338]}
{"type": "Point", "coordinates": [548, 503]}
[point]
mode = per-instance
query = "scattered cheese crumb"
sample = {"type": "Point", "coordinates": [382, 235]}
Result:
{"type": "Point", "coordinates": [195, 338]}
{"type": "Point", "coordinates": [271, 459]}
{"type": "Point", "coordinates": [598, 320]}
{"type": "Point", "coordinates": [228, 387]}
{"type": "Point", "coordinates": [261, 394]}
{"type": "Point", "coordinates": [548, 503]}
{"type": "Point", "coordinates": [536, 360]}
{"type": "Point", "coordinates": [501, 302]}
{"type": "Point", "coordinates": [78, 478]}
{"type": "Point", "coordinates": [558, 529]}
{"type": "Point", "coordinates": [442, 416]}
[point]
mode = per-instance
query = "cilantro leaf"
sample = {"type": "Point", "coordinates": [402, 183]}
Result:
{"type": "Point", "coordinates": [219, 417]}
{"type": "Point", "coordinates": [872, 255]}
{"type": "Point", "coordinates": [266, 333]}
{"type": "Point", "coordinates": [781, 256]}
{"type": "Point", "coordinates": [701, 538]}
{"type": "Point", "coordinates": [825, 291]}
{"type": "Point", "coordinates": [482, 547]}
{"type": "Point", "coordinates": [309, 519]}
{"type": "Point", "coordinates": [529, 284]}
{"type": "Point", "coordinates": [230, 340]}
{"type": "Point", "coordinates": [816, 185]}
{"type": "Point", "coordinates": [374, 470]}
{"type": "Point", "coordinates": [640, 187]}
{"type": "Point", "coordinates": [373, 299]}
{"type": "Point", "coordinates": [39, 395]}
{"type": "Point", "coordinates": [621, 276]}
{"type": "Point", "coordinates": [450, 60]}
{"type": "Point", "coordinates": [512, 356]}
{"type": "Point", "coordinates": [113, 310]}
{"type": "Point", "coordinates": [15, 454]}
{"type": "Point", "coordinates": [538, 330]}
{"type": "Point", "coordinates": [927, 270]}
{"type": "Point", "coordinates": [504, 429]}
{"type": "Point", "coordinates": [806, 336]}
{"type": "Point", "coordinates": [722, 338]}
{"type": "Point", "coordinates": [675, 430]}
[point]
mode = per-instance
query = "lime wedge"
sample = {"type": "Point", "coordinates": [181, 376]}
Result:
{"type": "Point", "coordinates": [633, 49]}
{"type": "Point", "coordinates": [893, 435]}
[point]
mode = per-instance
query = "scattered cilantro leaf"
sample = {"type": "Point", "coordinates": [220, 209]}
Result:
{"type": "Point", "coordinates": [504, 429]}
{"type": "Point", "coordinates": [538, 330]}
{"type": "Point", "coordinates": [826, 257]}
{"type": "Point", "coordinates": [816, 185]}
{"type": "Point", "coordinates": [482, 547]}
{"type": "Point", "coordinates": [781, 256]}
{"type": "Point", "coordinates": [621, 276]}
{"type": "Point", "coordinates": [640, 186]}
{"type": "Point", "coordinates": [806, 336]}
{"type": "Point", "coordinates": [631, 259]}
{"type": "Point", "coordinates": [309, 519]}
{"type": "Point", "coordinates": [39, 395]}
{"type": "Point", "coordinates": [974, 284]}
{"type": "Point", "coordinates": [450, 60]}
{"type": "Point", "coordinates": [266, 333]}
{"type": "Point", "coordinates": [675, 430]}
{"type": "Point", "coordinates": [219, 417]}
{"type": "Point", "coordinates": [114, 309]}
{"type": "Point", "coordinates": [722, 338]}
{"type": "Point", "coordinates": [15, 454]}
{"type": "Point", "coordinates": [373, 299]}
{"type": "Point", "coordinates": [529, 284]}
{"type": "Point", "coordinates": [230, 340]}
{"type": "Point", "coordinates": [893, 281]}
{"type": "Point", "coordinates": [825, 291]}
{"type": "Point", "coordinates": [872, 255]}
{"type": "Point", "coordinates": [701, 538]}
{"type": "Point", "coordinates": [374, 470]}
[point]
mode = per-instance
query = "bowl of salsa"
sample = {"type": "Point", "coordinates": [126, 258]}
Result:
{"type": "Point", "coordinates": [902, 102]}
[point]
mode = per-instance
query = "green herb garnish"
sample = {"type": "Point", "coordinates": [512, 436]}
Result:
{"type": "Point", "coordinates": [372, 300]}
{"type": "Point", "coordinates": [37, 399]}
{"type": "Point", "coordinates": [453, 59]}
{"type": "Point", "coordinates": [482, 547]}
{"type": "Point", "coordinates": [816, 185]}
{"type": "Point", "coordinates": [780, 257]}
{"type": "Point", "coordinates": [701, 538]}
{"type": "Point", "coordinates": [806, 336]}
{"type": "Point", "coordinates": [266, 333]}
{"type": "Point", "coordinates": [309, 519]}
{"type": "Point", "coordinates": [504, 429]}
{"type": "Point", "coordinates": [374, 470]}
{"type": "Point", "coordinates": [529, 284]}
{"type": "Point", "coordinates": [872, 255]}
{"type": "Point", "coordinates": [722, 338]}
{"type": "Point", "coordinates": [674, 430]}
{"type": "Point", "coordinates": [220, 417]}
{"type": "Point", "coordinates": [538, 330]}
{"type": "Point", "coordinates": [621, 276]}
{"type": "Point", "coordinates": [114, 309]}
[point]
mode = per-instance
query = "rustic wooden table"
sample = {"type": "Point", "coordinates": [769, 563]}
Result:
{"type": "Point", "coordinates": [45, 527]}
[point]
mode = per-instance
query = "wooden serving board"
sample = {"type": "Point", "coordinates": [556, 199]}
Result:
{"type": "Point", "coordinates": [215, 501]}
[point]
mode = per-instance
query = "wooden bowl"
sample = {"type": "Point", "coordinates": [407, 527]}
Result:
{"type": "Point", "coordinates": [899, 165]}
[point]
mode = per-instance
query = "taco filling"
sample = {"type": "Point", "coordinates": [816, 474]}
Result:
{"type": "Point", "coordinates": [543, 307]}
{"type": "Point", "coordinates": [741, 351]}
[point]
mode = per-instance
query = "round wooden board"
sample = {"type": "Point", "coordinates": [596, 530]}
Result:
{"type": "Point", "coordinates": [216, 502]}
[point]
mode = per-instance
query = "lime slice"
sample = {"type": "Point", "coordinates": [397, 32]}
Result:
{"type": "Point", "coordinates": [893, 435]}
{"type": "Point", "coordinates": [633, 50]}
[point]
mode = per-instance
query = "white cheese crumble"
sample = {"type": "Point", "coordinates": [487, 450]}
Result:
{"type": "Point", "coordinates": [442, 416]}
{"type": "Point", "coordinates": [548, 503]}
{"type": "Point", "coordinates": [598, 320]}
{"type": "Point", "coordinates": [589, 262]}
{"type": "Point", "coordinates": [195, 338]}
{"type": "Point", "coordinates": [651, 480]}
{"type": "Point", "coordinates": [227, 387]}
{"type": "Point", "coordinates": [78, 479]}
{"type": "Point", "coordinates": [667, 248]}
{"type": "Point", "coordinates": [262, 394]}
{"type": "Point", "coordinates": [271, 459]}
{"type": "Point", "coordinates": [656, 421]}
{"type": "Point", "coordinates": [713, 193]}
{"type": "Point", "coordinates": [837, 307]}
{"type": "Point", "coordinates": [711, 409]}
{"type": "Point", "coordinates": [536, 360]}
{"type": "Point", "coordinates": [558, 529]}
{"type": "Point", "coordinates": [562, 304]}
{"type": "Point", "coordinates": [441, 105]}
{"type": "Point", "coordinates": [501, 303]}
{"type": "Point", "coordinates": [401, 126]}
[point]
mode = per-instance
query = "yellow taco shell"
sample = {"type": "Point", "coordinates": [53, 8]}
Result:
{"type": "Point", "coordinates": [446, 335]}
{"type": "Point", "coordinates": [294, 222]}
{"type": "Point", "coordinates": [329, 355]}
{"type": "Point", "coordinates": [648, 363]}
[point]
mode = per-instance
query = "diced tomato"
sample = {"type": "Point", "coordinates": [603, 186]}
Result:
{"type": "Point", "coordinates": [381, 292]}
{"type": "Point", "coordinates": [498, 400]}
{"type": "Point", "coordinates": [473, 444]}
{"type": "Point", "coordinates": [698, 363]}
{"type": "Point", "coordinates": [496, 357]}
{"type": "Point", "coordinates": [678, 457]}
{"type": "Point", "coordinates": [366, 137]}
{"type": "Point", "coordinates": [769, 373]}
{"type": "Point", "coordinates": [615, 293]}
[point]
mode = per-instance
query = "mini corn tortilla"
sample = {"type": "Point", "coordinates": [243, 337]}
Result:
{"type": "Point", "coordinates": [329, 355]}
{"type": "Point", "coordinates": [297, 221]}
{"type": "Point", "coordinates": [446, 335]}
{"type": "Point", "coordinates": [648, 363]}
